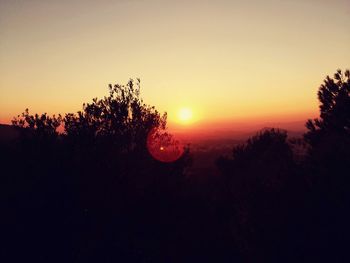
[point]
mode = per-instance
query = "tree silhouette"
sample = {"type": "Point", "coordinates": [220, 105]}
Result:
{"type": "Point", "coordinates": [266, 156]}
{"type": "Point", "coordinates": [329, 135]}
{"type": "Point", "coordinates": [258, 174]}
{"type": "Point", "coordinates": [334, 97]}
{"type": "Point", "coordinates": [122, 117]}
{"type": "Point", "coordinates": [96, 182]}
{"type": "Point", "coordinates": [40, 124]}
{"type": "Point", "coordinates": [327, 171]}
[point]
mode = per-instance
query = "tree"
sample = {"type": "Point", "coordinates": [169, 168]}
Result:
{"type": "Point", "coordinates": [258, 174]}
{"type": "Point", "coordinates": [326, 168]}
{"type": "Point", "coordinates": [122, 118]}
{"type": "Point", "coordinates": [39, 126]}
{"type": "Point", "coordinates": [329, 135]}
{"type": "Point", "coordinates": [334, 97]}
{"type": "Point", "coordinates": [266, 157]}
{"type": "Point", "coordinates": [96, 182]}
{"type": "Point", "coordinates": [111, 134]}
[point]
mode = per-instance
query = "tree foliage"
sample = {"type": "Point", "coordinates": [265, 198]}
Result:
{"type": "Point", "coordinates": [329, 135]}
{"type": "Point", "coordinates": [265, 156]}
{"type": "Point", "coordinates": [334, 98]}
{"type": "Point", "coordinates": [41, 125]}
{"type": "Point", "coordinates": [121, 117]}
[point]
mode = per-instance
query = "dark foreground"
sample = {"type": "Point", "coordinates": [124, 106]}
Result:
{"type": "Point", "coordinates": [95, 194]}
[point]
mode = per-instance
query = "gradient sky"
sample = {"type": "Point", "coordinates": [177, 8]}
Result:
{"type": "Point", "coordinates": [227, 60]}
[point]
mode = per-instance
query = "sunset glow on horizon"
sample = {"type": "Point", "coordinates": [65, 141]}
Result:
{"type": "Point", "coordinates": [227, 61]}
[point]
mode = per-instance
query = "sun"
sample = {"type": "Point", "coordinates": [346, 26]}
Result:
{"type": "Point", "coordinates": [185, 115]}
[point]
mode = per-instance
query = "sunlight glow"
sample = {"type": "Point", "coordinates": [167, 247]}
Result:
{"type": "Point", "coordinates": [185, 115]}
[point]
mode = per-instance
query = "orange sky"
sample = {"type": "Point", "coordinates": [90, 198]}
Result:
{"type": "Point", "coordinates": [229, 61]}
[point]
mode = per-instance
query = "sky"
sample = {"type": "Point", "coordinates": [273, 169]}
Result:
{"type": "Point", "coordinates": [227, 61]}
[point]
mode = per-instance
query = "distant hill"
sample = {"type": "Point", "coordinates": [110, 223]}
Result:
{"type": "Point", "coordinates": [7, 133]}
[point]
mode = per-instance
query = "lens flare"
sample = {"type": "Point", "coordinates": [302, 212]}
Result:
{"type": "Point", "coordinates": [163, 147]}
